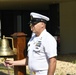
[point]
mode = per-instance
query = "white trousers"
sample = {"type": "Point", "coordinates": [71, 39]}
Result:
{"type": "Point", "coordinates": [41, 73]}
{"type": "Point", "coordinates": [44, 72]}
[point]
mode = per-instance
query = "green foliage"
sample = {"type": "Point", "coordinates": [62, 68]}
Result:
{"type": "Point", "coordinates": [74, 62]}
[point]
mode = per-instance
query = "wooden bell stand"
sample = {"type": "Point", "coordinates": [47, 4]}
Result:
{"type": "Point", "coordinates": [20, 44]}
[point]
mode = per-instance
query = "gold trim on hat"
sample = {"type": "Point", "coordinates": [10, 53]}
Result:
{"type": "Point", "coordinates": [31, 17]}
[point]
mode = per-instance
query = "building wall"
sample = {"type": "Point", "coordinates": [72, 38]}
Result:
{"type": "Point", "coordinates": [0, 25]}
{"type": "Point", "coordinates": [68, 27]}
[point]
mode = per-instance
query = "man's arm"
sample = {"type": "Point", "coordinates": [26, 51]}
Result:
{"type": "Point", "coordinates": [16, 62]}
{"type": "Point", "coordinates": [52, 66]}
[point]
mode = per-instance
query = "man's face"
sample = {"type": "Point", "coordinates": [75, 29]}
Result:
{"type": "Point", "coordinates": [36, 28]}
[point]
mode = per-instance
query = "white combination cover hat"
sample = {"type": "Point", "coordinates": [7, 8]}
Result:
{"type": "Point", "coordinates": [40, 16]}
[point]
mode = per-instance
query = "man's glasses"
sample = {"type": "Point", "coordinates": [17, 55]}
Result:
{"type": "Point", "coordinates": [33, 24]}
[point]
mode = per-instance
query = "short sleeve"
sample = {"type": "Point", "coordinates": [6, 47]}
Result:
{"type": "Point", "coordinates": [50, 46]}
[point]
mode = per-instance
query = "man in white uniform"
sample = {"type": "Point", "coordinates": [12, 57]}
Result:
{"type": "Point", "coordinates": [42, 48]}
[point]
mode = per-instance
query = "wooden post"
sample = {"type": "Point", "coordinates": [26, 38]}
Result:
{"type": "Point", "coordinates": [20, 44]}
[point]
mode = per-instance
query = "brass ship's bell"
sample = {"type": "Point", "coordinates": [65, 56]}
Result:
{"type": "Point", "coordinates": [5, 49]}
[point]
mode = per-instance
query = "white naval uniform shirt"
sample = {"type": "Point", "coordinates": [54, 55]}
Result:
{"type": "Point", "coordinates": [40, 49]}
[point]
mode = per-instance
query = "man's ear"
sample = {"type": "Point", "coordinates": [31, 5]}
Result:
{"type": "Point", "coordinates": [42, 24]}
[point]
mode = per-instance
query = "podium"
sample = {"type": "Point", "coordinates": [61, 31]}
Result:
{"type": "Point", "coordinates": [19, 40]}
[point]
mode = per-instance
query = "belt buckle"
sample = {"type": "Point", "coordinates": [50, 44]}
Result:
{"type": "Point", "coordinates": [34, 72]}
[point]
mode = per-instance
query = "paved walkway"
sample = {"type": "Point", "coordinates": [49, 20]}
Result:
{"type": "Point", "coordinates": [66, 65]}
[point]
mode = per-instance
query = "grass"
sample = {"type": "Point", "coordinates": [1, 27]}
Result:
{"type": "Point", "coordinates": [74, 62]}
{"type": "Point", "coordinates": [67, 58]}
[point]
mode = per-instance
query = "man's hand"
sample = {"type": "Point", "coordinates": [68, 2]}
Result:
{"type": "Point", "coordinates": [9, 63]}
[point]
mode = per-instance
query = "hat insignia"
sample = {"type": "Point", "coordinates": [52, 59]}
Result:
{"type": "Point", "coordinates": [31, 17]}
